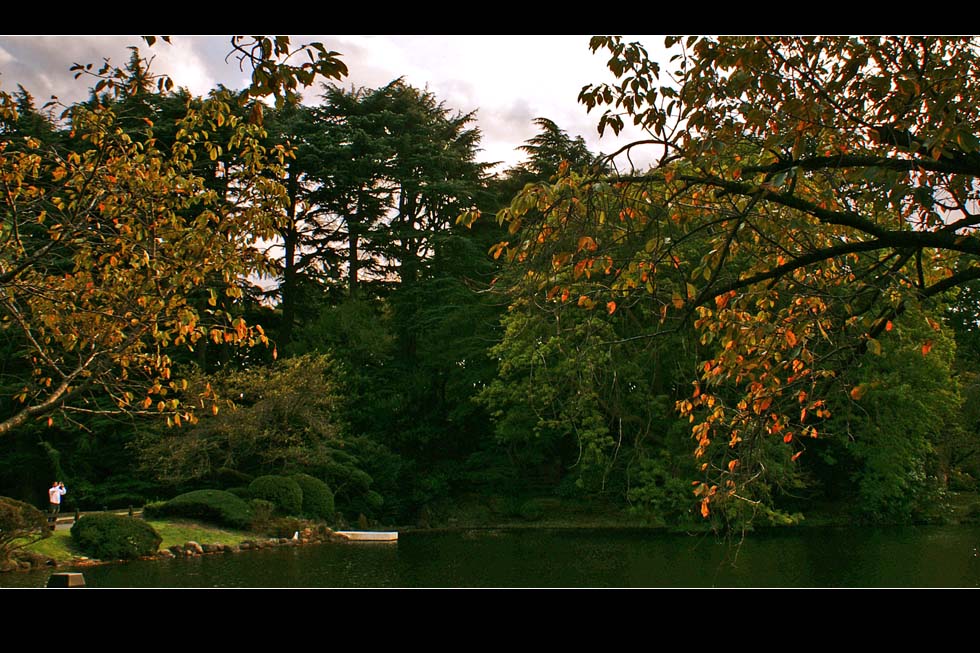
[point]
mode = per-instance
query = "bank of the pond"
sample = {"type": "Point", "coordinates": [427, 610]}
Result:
{"type": "Point", "coordinates": [187, 538]}
{"type": "Point", "coordinates": [181, 538]}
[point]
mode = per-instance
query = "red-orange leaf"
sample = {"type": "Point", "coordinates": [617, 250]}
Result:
{"type": "Point", "coordinates": [611, 307]}
{"type": "Point", "coordinates": [927, 347]}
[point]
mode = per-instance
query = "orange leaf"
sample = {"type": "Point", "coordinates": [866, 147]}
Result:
{"type": "Point", "coordinates": [704, 508]}
{"type": "Point", "coordinates": [888, 325]}
{"type": "Point", "coordinates": [797, 455]}
{"type": "Point", "coordinates": [732, 464]}
{"type": "Point", "coordinates": [927, 347]}
{"type": "Point", "coordinates": [611, 307]}
{"type": "Point", "coordinates": [788, 437]}
{"type": "Point", "coordinates": [857, 392]}
{"type": "Point", "coordinates": [790, 338]}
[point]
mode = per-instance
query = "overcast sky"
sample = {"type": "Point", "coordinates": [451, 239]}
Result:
{"type": "Point", "coordinates": [508, 80]}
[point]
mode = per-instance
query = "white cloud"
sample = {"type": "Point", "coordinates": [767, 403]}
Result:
{"type": "Point", "coordinates": [509, 80]}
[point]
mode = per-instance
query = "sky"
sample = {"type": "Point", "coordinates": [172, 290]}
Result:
{"type": "Point", "coordinates": [507, 80]}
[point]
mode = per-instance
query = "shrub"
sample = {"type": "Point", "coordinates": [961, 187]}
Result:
{"type": "Point", "coordinates": [285, 526]}
{"type": "Point", "coordinates": [228, 476]}
{"type": "Point", "coordinates": [282, 491]}
{"type": "Point", "coordinates": [216, 506]}
{"type": "Point", "coordinates": [114, 537]}
{"type": "Point", "coordinates": [262, 511]}
{"type": "Point", "coordinates": [317, 497]}
{"type": "Point", "coordinates": [154, 509]}
{"type": "Point", "coordinates": [241, 492]}
{"type": "Point", "coordinates": [20, 524]}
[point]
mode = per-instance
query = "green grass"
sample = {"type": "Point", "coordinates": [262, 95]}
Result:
{"type": "Point", "coordinates": [181, 531]}
{"type": "Point", "coordinates": [58, 546]}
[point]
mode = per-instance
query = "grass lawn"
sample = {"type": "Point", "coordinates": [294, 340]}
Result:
{"type": "Point", "coordinates": [58, 546]}
{"type": "Point", "coordinates": [181, 531]}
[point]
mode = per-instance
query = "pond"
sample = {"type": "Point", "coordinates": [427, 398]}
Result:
{"type": "Point", "coordinates": [944, 556]}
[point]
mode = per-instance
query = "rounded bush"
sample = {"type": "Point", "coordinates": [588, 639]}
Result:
{"type": "Point", "coordinates": [20, 523]}
{"type": "Point", "coordinates": [282, 491]}
{"type": "Point", "coordinates": [115, 537]}
{"type": "Point", "coordinates": [317, 497]}
{"type": "Point", "coordinates": [216, 506]}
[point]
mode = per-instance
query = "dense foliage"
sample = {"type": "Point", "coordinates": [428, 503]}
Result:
{"type": "Point", "coordinates": [114, 537]}
{"type": "Point", "coordinates": [215, 506]}
{"type": "Point", "coordinates": [785, 294]}
{"type": "Point", "coordinates": [317, 497]}
{"type": "Point", "coordinates": [21, 524]}
{"type": "Point", "coordinates": [809, 191]}
{"type": "Point", "coordinates": [283, 492]}
{"type": "Point", "coordinates": [107, 238]}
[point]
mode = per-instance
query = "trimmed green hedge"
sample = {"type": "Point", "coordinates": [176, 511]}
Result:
{"type": "Point", "coordinates": [216, 506]}
{"type": "Point", "coordinates": [317, 497]}
{"type": "Point", "coordinates": [115, 537]}
{"type": "Point", "coordinates": [284, 492]}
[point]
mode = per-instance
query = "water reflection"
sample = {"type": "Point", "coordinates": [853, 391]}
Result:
{"type": "Point", "coordinates": [897, 557]}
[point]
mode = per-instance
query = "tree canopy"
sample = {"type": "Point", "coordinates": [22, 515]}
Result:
{"type": "Point", "coordinates": [110, 230]}
{"type": "Point", "coordinates": [808, 191]}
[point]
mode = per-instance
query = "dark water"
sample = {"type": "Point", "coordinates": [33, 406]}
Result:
{"type": "Point", "coordinates": [899, 557]}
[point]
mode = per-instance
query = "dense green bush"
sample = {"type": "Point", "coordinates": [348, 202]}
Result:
{"type": "Point", "coordinates": [216, 506]}
{"type": "Point", "coordinates": [228, 476]}
{"type": "Point", "coordinates": [241, 492]}
{"type": "Point", "coordinates": [20, 524]}
{"type": "Point", "coordinates": [317, 497]}
{"type": "Point", "coordinates": [284, 492]}
{"type": "Point", "coordinates": [262, 512]}
{"type": "Point", "coordinates": [114, 537]}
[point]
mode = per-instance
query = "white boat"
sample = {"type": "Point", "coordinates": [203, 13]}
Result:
{"type": "Point", "coordinates": [370, 536]}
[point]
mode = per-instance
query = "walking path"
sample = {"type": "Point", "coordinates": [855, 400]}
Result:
{"type": "Point", "coordinates": [64, 522]}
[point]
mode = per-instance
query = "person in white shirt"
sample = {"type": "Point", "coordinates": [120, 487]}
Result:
{"type": "Point", "coordinates": [55, 492]}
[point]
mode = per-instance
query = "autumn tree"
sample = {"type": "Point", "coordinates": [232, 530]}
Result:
{"type": "Point", "coordinates": [807, 191]}
{"type": "Point", "coordinates": [104, 240]}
